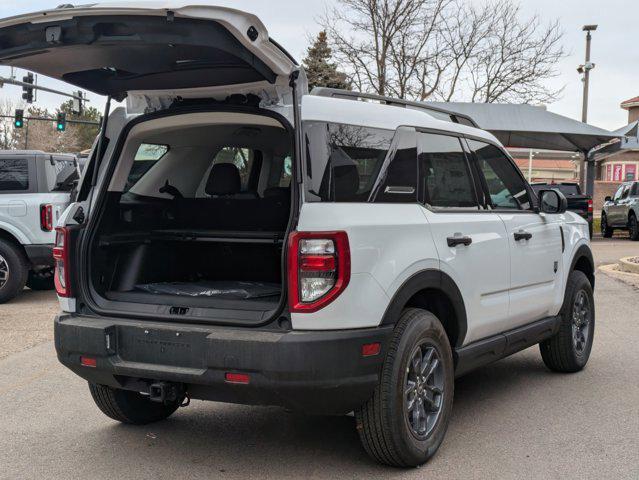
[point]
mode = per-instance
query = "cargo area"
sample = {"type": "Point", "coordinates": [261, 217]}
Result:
{"type": "Point", "coordinates": [195, 218]}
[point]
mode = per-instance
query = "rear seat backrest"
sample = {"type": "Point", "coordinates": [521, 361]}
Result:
{"type": "Point", "coordinates": [230, 209]}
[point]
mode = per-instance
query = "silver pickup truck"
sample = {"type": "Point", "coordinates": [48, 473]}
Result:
{"type": "Point", "coordinates": [621, 211]}
{"type": "Point", "coordinates": [35, 188]}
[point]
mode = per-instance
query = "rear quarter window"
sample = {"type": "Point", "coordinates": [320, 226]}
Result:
{"type": "Point", "coordinates": [147, 155]}
{"type": "Point", "coordinates": [14, 174]}
{"type": "Point", "coordinates": [343, 161]}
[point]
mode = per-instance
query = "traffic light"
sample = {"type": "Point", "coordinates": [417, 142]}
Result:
{"type": "Point", "coordinates": [27, 94]}
{"type": "Point", "coordinates": [62, 122]}
{"type": "Point", "coordinates": [18, 121]}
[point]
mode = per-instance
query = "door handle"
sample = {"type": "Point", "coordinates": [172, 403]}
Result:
{"type": "Point", "coordinates": [522, 235]}
{"type": "Point", "coordinates": [456, 241]}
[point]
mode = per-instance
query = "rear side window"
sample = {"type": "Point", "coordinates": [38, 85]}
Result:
{"type": "Point", "coordinates": [343, 161]}
{"type": "Point", "coordinates": [14, 174]}
{"type": "Point", "coordinates": [635, 190]}
{"type": "Point", "coordinates": [568, 190]}
{"type": "Point", "coordinates": [444, 175]}
{"type": "Point", "coordinates": [506, 186]}
{"type": "Point", "coordinates": [147, 155]}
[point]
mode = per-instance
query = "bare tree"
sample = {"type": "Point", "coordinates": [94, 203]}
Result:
{"type": "Point", "coordinates": [516, 58]}
{"type": "Point", "coordinates": [8, 136]}
{"type": "Point", "coordinates": [444, 49]}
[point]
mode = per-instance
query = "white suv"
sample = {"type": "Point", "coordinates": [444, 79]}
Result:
{"type": "Point", "coordinates": [237, 239]}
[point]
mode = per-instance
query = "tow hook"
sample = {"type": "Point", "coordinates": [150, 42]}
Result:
{"type": "Point", "coordinates": [167, 393]}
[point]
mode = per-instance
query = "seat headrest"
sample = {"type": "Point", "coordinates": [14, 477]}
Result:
{"type": "Point", "coordinates": [346, 182]}
{"type": "Point", "coordinates": [224, 179]}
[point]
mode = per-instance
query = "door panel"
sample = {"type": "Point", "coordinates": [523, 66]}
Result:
{"type": "Point", "coordinates": [535, 266]}
{"type": "Point", "coordinates": [481, 270]}
{"type": "Point", "coordinates": [471, 243]}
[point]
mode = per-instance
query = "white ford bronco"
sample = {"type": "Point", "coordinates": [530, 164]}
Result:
{"type": "Point", "coordinates": [238, 239]}
{"type": "Point", "coordinates": [35, 188]}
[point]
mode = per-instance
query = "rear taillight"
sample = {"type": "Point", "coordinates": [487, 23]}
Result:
{"type": "Point", "coordinates": [590, 209]}
{"type": "Point", "coordinates": [46, 217]}
{"type": "Point", "coordinates": [61, 259]}
{"type": "Point", "coordinates": [319, 269]}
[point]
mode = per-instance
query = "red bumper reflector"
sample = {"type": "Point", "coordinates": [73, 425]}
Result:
{"type": "Point", "coordinates": [88, 362]}
{"type": "Point", "coordinates": [237, 378]}
{"type": "Point", "coordinates": [371, 349]}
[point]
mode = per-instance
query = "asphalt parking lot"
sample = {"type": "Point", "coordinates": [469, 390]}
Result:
{"type": "Point", "coordinates": [513, 419]}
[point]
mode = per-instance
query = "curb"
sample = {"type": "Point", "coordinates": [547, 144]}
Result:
{"type": "Point", "coordinates": [613, 271]}
{"type": "Point", "coordinates": [625, 265]}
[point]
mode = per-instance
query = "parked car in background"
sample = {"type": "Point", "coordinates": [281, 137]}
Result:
{"type": "Point", "coordinates": [621, 211]}
{"type": "Point", "coordinates": [35, 188]}
{"type": "Point", "coordinates": [577, 202]}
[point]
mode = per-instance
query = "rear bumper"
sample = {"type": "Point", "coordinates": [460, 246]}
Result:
{"type": "Point", "coordinates": [314, 372]}
{"type": "Point", "coordinates": [40, 255]}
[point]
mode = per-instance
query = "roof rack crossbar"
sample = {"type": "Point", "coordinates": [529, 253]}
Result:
{"type": "Point", "coordinates": [452, 116]}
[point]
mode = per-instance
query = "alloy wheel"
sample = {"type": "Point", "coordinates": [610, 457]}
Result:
{"type": "Point", "coordinates": [581, 315]}
{"type": "Point", "coordinates": [423, 390]}
{"type": "Point", "coordinates": [4, 271]}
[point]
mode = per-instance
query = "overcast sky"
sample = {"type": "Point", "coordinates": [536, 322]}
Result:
{"type": "Point", "coordinates": [615, 48]}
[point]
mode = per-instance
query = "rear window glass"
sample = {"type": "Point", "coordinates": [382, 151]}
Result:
{"type": "Point", "coordinates": [147, 155]}
{"type": "Point", "coordinates": [343, 161]}
{"type": "Point", "coordinates": [14, 174]}
{"type": "Point", "coordinates": [567, 190]}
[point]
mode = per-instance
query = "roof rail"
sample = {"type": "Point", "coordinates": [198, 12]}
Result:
{"type": "Point", "coordinates": [437, 112]}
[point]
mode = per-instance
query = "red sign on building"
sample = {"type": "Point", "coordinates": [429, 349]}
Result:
{"type": "Point", "coordinates": [631, 172]}
{"type": "Point", "coordinates": [617, 173]}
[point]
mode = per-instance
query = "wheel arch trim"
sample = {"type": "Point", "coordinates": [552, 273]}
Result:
{"type": "Point", "coordinates": [584, 251]}
{"type": "Point", "coordinates": [425, 280]}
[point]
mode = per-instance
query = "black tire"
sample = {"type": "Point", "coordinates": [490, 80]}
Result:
{"type": "Point", "coordinates": [129, 407]}
{"type": "Point", "coordinates": [383, 422]}
{"type": "Point", "coordinates": [606, 231]}
{"type": "Point", "coordinates": [633, 227]}
{"type": "Point", "coordinates": [13, 271]}
{"type": "Point", "coordinates": [41, 280]}
{"type": "Point", "coordinates": [563, 352]}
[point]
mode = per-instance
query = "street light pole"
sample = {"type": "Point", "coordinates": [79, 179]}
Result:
{"type": "Point", "coordinates": [587, 174]}
{"type": "Point", "coordinates": [530, 165]}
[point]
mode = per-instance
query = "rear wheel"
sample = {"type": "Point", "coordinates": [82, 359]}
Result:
{"type": "Point", "coordinates": [405, 421]}
{"type": "Point", "coordinates": [569, 350]}
{"type": "Point", "coordinates": [13, 271]}
{"type": "Point", "coordinates": [41, 279]}
{"type": "Point", "coordinates": [633, 226]}
{"type": "Point", "coordinates": [606, 231]}
{"type": "Point", "coordinates": [130, 407]}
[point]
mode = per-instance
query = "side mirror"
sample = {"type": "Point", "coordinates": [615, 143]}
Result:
{"type": "Point", "coordinates": [552, 201]}
{"type": "Point", "coordinates": [608, 199]}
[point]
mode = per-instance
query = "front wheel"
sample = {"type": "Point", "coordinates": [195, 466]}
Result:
{"type": "Point", "coordinates": [405, 421]}
{"type": "Point", "coordinates": [633, 226]}
{"type": "Point", "coordinates": [606, 230]}
{"type": "Point", "coordinates": [569, 350]}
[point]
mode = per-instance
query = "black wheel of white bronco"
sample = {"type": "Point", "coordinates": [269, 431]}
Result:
{"type": "Point", "coordinates": [13, 271]}
{"type": "Point", "coordinates": [569, 350]}
{"type": "Point", "coordinates": [405, 421]}
{"type": "Point", "coordinates": [130, 407]}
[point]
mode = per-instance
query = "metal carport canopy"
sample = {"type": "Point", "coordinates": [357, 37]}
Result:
{"type": "Point", "coordinates": [527, 126]}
